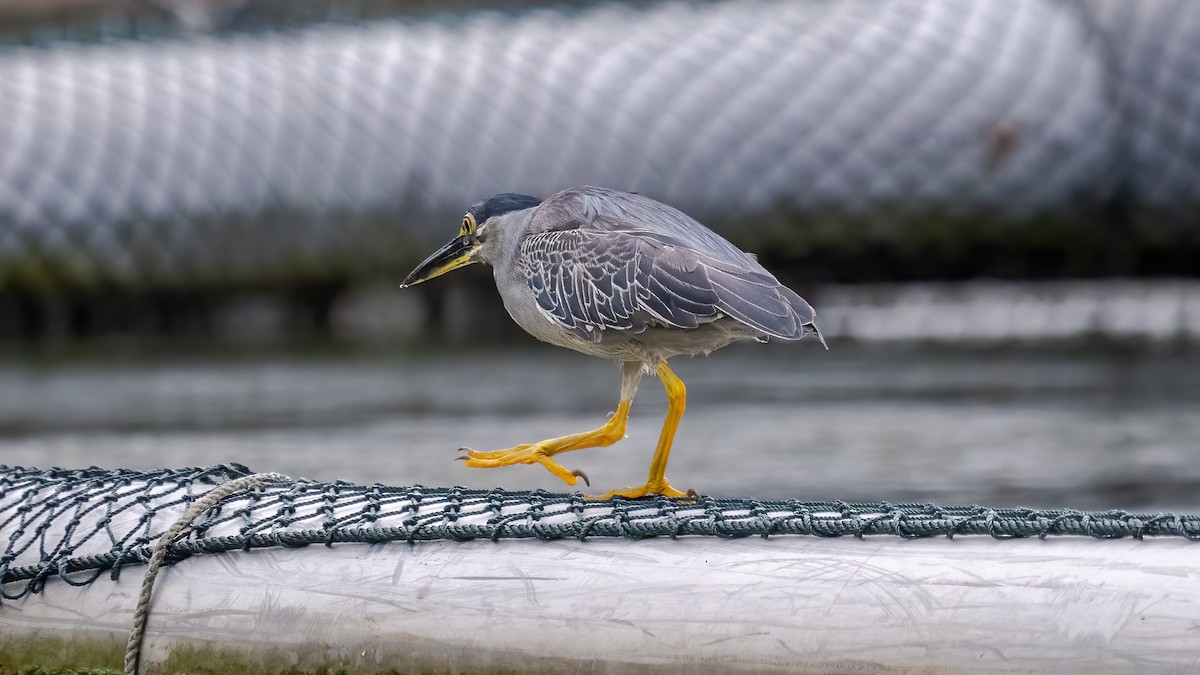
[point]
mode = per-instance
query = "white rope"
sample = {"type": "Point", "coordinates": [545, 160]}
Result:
{"type": "Point", "coordinates": [133, 648]}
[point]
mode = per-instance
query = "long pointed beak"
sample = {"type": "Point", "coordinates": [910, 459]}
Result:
{"type": "Point", "coordinates": [458, 252]}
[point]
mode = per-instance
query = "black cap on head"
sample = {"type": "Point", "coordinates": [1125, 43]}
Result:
{"type": "Point", "coordinates": [500, 204]}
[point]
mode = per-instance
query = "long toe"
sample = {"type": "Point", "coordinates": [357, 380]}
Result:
{"type": "Point", "coordinates": [496, 454]}
{"type": "Point", "coordinates": [522, 454]}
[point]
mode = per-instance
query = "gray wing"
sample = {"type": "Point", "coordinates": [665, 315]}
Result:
{"type": "Point", "coordinates": [598, 270]}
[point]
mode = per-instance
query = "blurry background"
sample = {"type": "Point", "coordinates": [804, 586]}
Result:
{"type": "Point", "coordinates": [206, 208]}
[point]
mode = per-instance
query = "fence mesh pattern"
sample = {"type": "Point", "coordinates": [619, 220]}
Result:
{"type": "Point", "coordinates": [327, 149]}
{"type": "Point", "coordinates": [78, 524]}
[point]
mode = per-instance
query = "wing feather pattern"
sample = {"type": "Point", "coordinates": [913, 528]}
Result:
{"type": "Point", "coordinates": [604, 260]}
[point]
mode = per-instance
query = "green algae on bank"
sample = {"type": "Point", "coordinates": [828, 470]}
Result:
{"type": "Point", "coordinates": [43, 654]}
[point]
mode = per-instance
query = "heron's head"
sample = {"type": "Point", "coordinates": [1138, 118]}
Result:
{"type": "Point", "coordinates": [478, 225]}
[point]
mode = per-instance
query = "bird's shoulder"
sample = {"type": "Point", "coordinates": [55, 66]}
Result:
{"type": "Point", "coordinates": [602, 215]}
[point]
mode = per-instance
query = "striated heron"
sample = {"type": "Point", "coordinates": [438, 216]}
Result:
{"type": "Point", "coordinates": [623, 277]}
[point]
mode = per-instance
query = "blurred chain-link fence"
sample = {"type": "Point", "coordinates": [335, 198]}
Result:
{"type": "Point", "coordinates": [845, 139]}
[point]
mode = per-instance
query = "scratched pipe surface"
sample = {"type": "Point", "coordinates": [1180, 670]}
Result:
{"type": "Point", "coordinates": [697, 605]}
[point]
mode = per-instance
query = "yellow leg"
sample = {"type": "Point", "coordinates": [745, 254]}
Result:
{"type": "Point", "coordinates": [657, 484]}
{"type": "Point", "coordinates": [543, 451]}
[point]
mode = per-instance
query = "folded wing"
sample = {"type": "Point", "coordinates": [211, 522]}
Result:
{"type": "Point", "coordinates": [593, 279]}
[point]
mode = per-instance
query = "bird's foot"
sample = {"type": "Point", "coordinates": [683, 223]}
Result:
{"type": "Point", "coordinates": [542, 452]}
{"type": "Point", "coordinates": [650, 489]}
{"type": "Point", "coordinates": [527, 453]}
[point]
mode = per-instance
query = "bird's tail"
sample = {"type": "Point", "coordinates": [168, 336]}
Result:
{"type": "Point", "coordinates": [811, 329]}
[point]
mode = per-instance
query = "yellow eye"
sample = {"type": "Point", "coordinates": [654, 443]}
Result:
{"type": "Point", "coordinates": [468, 226]}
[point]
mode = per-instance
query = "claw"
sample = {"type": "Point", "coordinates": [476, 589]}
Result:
{"type": "Point", "coordinates": [692, 494]}
{"type": "Point", "coordinates": [461, 458]}
{"type": "Point", "coordinates": [578, 473]}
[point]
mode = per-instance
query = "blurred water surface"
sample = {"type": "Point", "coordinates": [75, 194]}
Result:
{"type": "Point", "coordinates": [1065, 428]}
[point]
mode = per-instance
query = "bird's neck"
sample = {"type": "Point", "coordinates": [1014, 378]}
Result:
{"type": "Point", "coordinates": [504, 238]}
